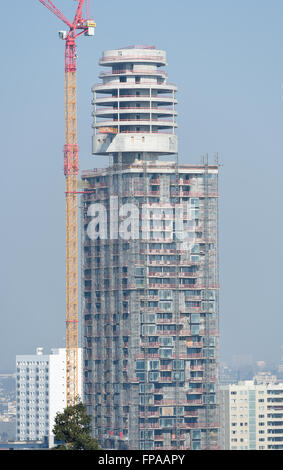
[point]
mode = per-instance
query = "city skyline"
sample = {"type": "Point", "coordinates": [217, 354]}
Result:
{"type": "Point", "coordinates": [230, 103]}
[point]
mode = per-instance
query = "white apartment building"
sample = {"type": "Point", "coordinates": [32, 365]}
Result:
{"type": "Point", "coordinates": [41, 392]}
{"type": "Point", "coordinates": [251, 416]}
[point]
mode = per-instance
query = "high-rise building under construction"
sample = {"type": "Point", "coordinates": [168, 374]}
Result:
{"type": "Point", "coordinates": [149, 268]}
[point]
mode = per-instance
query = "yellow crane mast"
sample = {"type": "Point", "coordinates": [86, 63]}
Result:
{"type": "Point", "coordinates": [78, 27]}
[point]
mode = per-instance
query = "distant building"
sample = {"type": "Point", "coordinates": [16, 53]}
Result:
{"type": "Point", "coordinates": [280, 368]}
{"type": "Point", "coordinates": [265, 378]}
{"type": "Point", "coordinates": [3, 408]}
{"type": "Point", "coordinates": [227, 375]}
{"type": "Point", "coordinates": [41, 392]}
{"type": "Point", "coordinates": [251, 416]}
{"type": "Point", "coordinates": [242, 360]}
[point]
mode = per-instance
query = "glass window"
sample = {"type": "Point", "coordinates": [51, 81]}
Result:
{"type": "Point", "coordinates": [140, 375]}
{"type": "Point", "coordinates": [140, 365]}
{"type": "Point", "coordinates": [166, 340]}
{"type": "Point", "coordinates": [165, 352]}
{"type": "Point", "coordinates": [153, 376]}
{"type": "Point", "coordinates": [154, 365]}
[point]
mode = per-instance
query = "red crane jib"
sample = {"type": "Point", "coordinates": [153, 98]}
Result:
{"type": "Point", "coordinates": [76, 28]}
{"type": "Point", "coordinates": [79, 23]}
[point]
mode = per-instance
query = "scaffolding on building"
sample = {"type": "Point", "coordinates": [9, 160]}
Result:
{"type": "Point", "coordinates": [151, 301]}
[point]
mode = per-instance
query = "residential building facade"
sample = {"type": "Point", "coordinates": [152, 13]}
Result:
{"type": "Point", "coordinates": [149, 268]}
{"type": "Point", "coordinates": [41, 392]}
{"type": "Point", "coordinates": [252, 416]}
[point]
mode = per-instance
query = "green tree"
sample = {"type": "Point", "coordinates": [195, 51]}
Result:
{"type": "Point", "coordinates": [72, 428]}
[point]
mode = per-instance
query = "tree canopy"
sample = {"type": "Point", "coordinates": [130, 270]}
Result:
{"type": "Point", "coordinates": [72, 428]}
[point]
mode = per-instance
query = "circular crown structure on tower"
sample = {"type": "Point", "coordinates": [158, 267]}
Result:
{"type": "Point", "coordinates": [134, 106]}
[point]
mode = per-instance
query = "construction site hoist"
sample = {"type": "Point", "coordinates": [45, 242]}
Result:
{"type": "Point", "coordinates": [78, 27]}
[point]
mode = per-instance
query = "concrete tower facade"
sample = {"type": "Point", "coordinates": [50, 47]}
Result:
{"type": "Point", "coordinates": [150, 268]}
{"type": "Point", "coordinates": [134, 107]}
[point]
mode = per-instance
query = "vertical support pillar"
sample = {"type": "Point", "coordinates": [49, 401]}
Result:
{"type": "Point", "coordinates": [71, 172]}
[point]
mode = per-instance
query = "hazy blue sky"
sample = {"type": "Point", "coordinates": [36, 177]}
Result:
{"type": "Point", "coordinates": [226, 58]}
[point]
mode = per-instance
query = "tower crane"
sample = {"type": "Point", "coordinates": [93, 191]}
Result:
{"type": "Point", "coordinates": [76, 28]}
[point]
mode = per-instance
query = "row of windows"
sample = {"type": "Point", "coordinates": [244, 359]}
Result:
{"type": "Point", "coordinates": [30, 433]}
{"type": "Point", "coordinates": [23, 408]}
{"type": "Point", "coordinates": [28, 363]}
{"type": "Point", "coordinates": [33, 422]}
{"type": "Point", "coordinates": [184, 176]}
{"type": "Point", "coordinates": [29, 378]}
{"type": "Point", "coordinates": [245, 416]}
{"type": "Point", "coordinates": [23, 395]}
{"type": "Point", "coordinates": [155, 376]}
{"type": "Point", "coordinates": [155, 364]}
{"type": "Point", "coordinates": [260, 392]}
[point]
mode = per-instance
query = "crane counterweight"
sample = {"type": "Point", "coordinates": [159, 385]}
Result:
{"type": "Point", "coordinates": [62, 34]}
